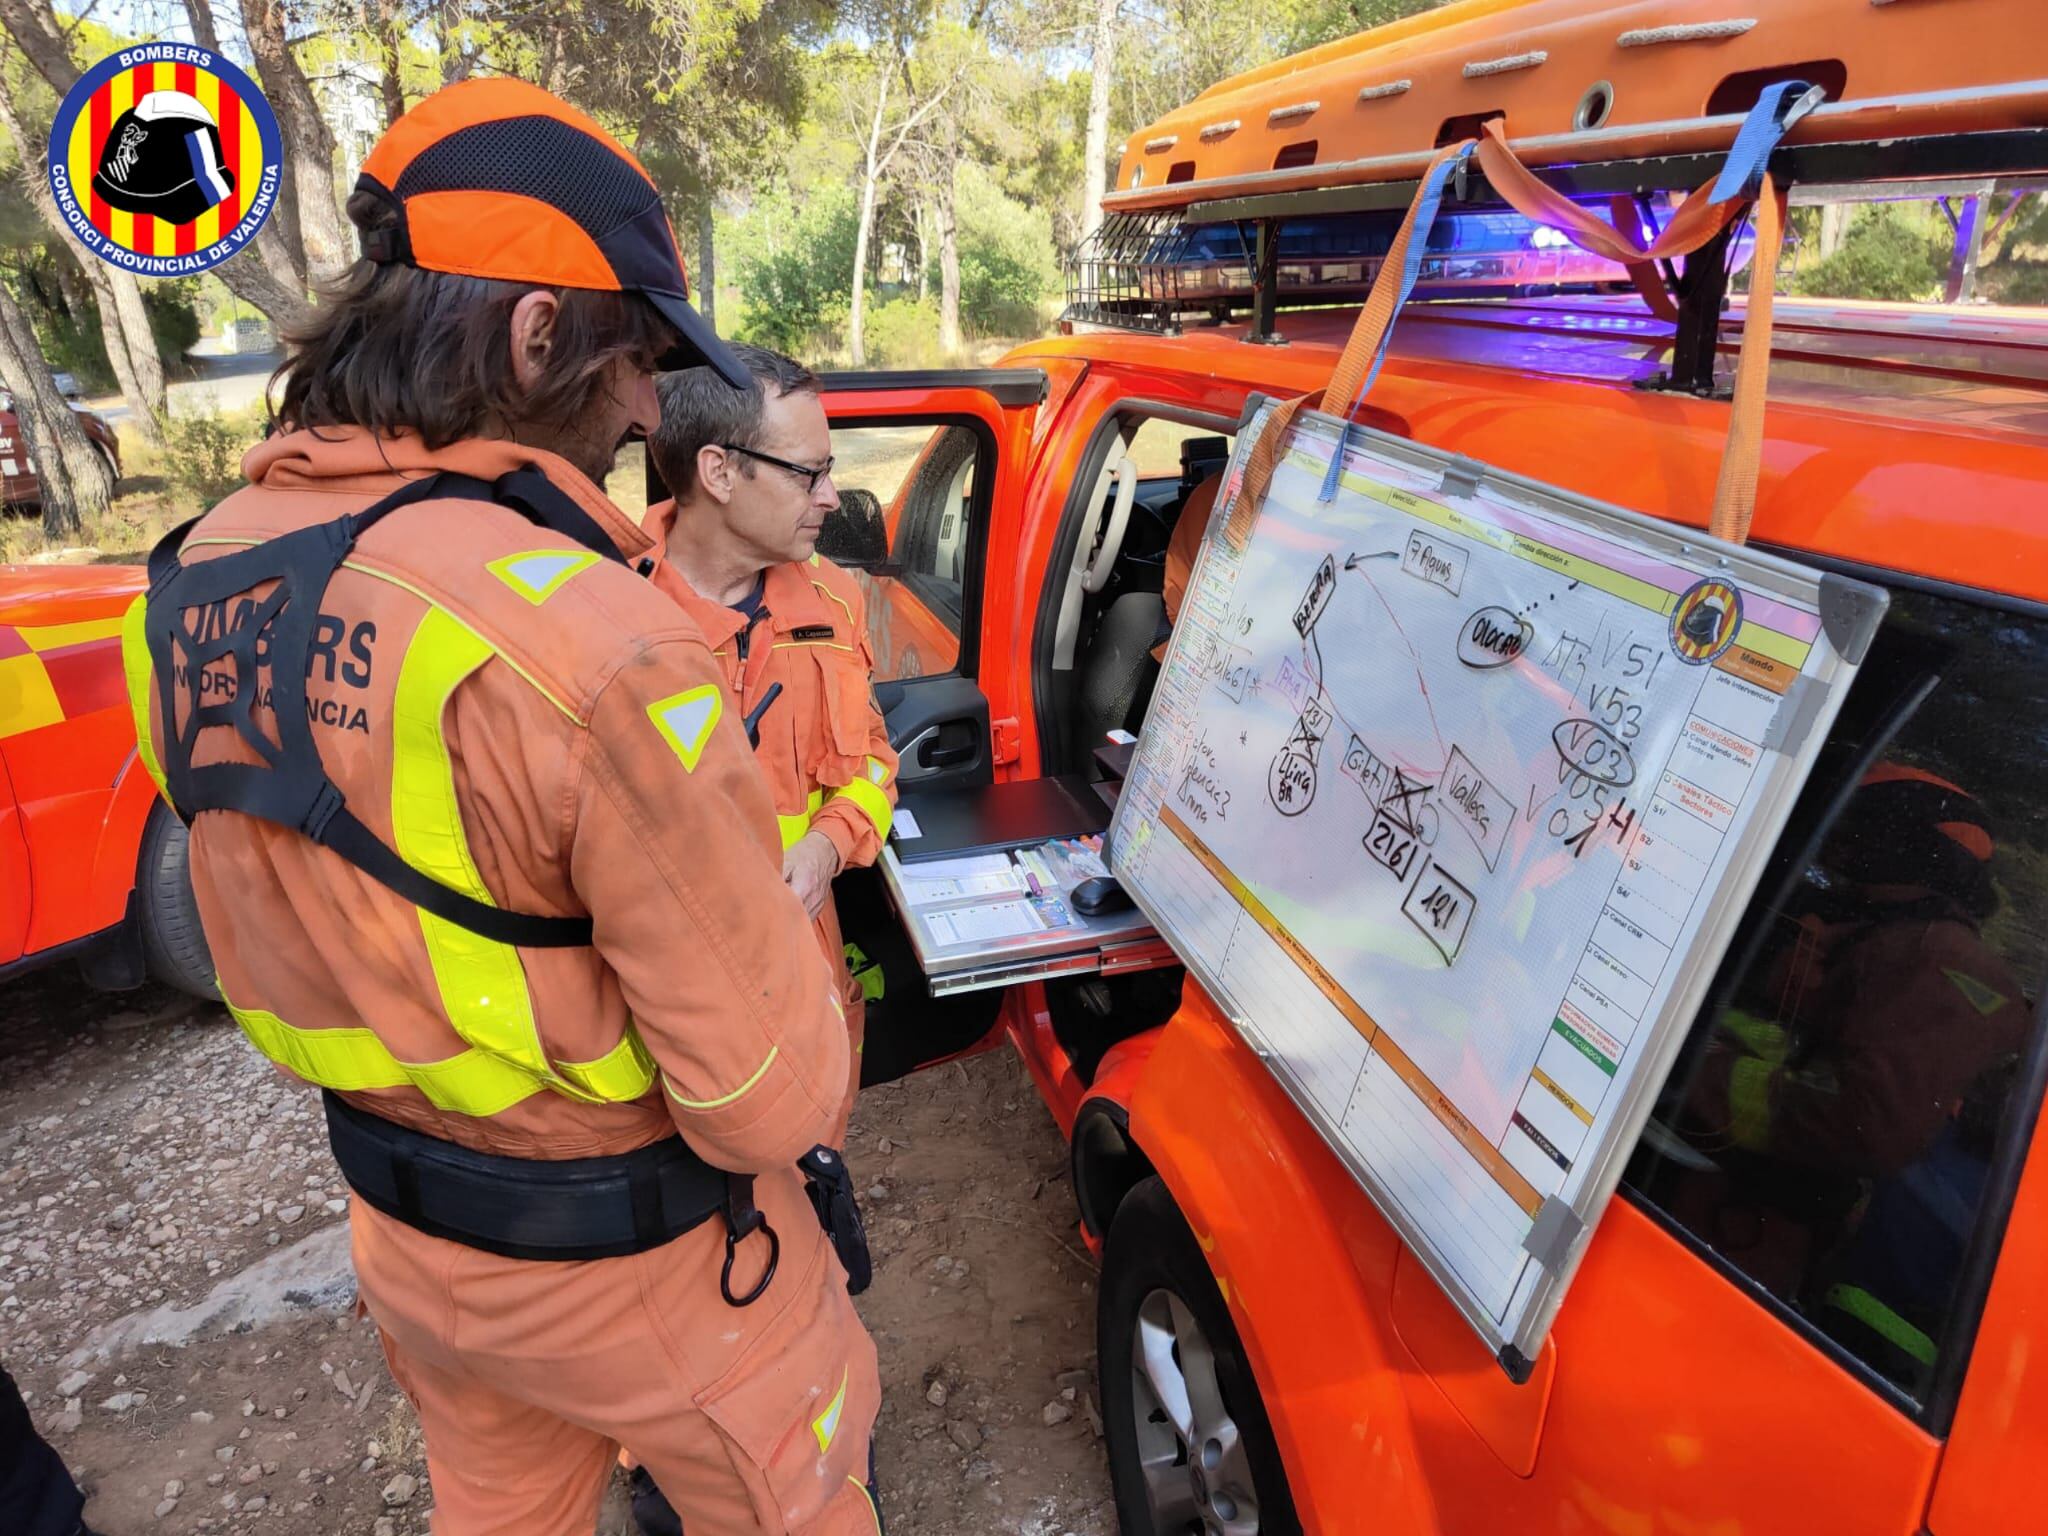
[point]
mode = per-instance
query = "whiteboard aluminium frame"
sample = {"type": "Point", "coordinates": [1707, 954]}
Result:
{"type": "Point", "coordinates": [1850, 613]}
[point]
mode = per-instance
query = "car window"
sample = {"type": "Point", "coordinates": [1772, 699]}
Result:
{"type": "Point", "coordinates": [1830, 1130]}
{"type": "Point", "coordinates": [905, 525]}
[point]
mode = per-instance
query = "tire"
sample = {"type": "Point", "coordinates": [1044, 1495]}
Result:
{"type": "Point", "coordinates": [172, 940]}
{"type": "Point", "coordinates": [113, 469]}
{"type": "Point", "coordinates": [1162, 1330]}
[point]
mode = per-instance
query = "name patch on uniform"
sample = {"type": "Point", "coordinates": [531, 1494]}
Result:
{"type": "Point", "coordinates": [813, 632]}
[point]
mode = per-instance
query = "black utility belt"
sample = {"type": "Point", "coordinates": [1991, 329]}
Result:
{"type": "Point", "coordinates": [548, 1211]}
{"type": "Point", "coordinates": [578, 1208]}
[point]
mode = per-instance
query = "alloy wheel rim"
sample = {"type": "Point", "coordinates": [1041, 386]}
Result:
{"type": "Point", "coordinates": [1196, 1468]}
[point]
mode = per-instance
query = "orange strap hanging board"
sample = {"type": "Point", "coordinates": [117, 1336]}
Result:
{"type": "Point", "coordinates": [1698, 220]}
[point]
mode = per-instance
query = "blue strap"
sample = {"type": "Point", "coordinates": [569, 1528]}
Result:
{"type": "Point", "coordinates": [1428, 201]}
{"type": "Point", "coordinates": [1775, 112]}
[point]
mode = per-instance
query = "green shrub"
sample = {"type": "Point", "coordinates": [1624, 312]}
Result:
{"type": "Point", "coordinates": [796, 272]}
{"type": "Point", "coordinates": [1885, 255]}
{"type": "Point", "coordinates": [1007, 264]}
{"type": "Point", "coordinates": [202, 455]}
{"type": "Point", "coordinates": [904, 333]}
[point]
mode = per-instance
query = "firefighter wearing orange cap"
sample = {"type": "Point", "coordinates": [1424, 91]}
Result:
{"type": "Point", "coordinates": [1856, 1041]}
{"type": "Point", "coordinates": [482, 851]}
{"type": "Point", "coordinates": [751, 473]}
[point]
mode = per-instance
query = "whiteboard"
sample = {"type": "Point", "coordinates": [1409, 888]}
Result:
{"type": "Point", "coordinates": [1451, 794]}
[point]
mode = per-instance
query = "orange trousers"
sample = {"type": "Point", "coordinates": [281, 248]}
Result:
{"type": "Point", "coordinates": [529, 1377]}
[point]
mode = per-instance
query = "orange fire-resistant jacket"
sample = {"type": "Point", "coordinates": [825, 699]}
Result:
{"type": "Point", "coordinates": [540, 728]}
{"type": "Point", "coordinates": [824, 749]}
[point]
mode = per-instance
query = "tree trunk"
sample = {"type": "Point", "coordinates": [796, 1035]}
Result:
{"type": "Point", "coordinates": [204, 32]}
{"type": "Point", "coordinates": [455, 60]}
{"type": "Point", "coordinates": [705, 289]}
{"type": "Point", "coordinates": [390, 58]}
{"type": "Point", "coordinates": [251, 281]}
{"type": "Point", "coordinates": [1834, 227]}
{"type": "Point", "coordinates": [122, 318]}
{"type": "Point", "coordinates": [870, 175]}
{"type": "Point", "coordinates": [1095, 151]}
{"type": "Point", "coordinates": [72, 286]}
{"type": "Point", "coordinates": [131, 346]}
{"type": "Point", "coordinates": [76, 481]}
{"type": "Point", "coordinates": [946, 212]}
{"type": "Point", "coordinates": [920, 226]}
{"type": "Point", "coordinates": [308, 142]}
{"type": "Point", "coordinates": [281, 257]}
{"type": "Point", "coordinates": [33, 24]}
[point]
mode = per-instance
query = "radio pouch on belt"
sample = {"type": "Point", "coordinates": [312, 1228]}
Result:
{"type": "Point", "coordinates": [830, 1187]}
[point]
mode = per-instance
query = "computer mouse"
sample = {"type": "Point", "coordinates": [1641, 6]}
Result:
{"type": "Point", "coordinates": [1095, 898]}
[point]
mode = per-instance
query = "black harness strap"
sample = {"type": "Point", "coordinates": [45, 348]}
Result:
{"type": "Point", "coordinates": [290, 786]}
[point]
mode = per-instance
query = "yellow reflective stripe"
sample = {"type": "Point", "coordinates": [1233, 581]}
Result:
{"type": "Point", "coordinates": [724, 1099]}
{"type": "Point", "coordinates": [1986, 1000]}
{"type": "Point", "coordinates": [685, 721]}
{"type": "Point", "coordinates": [872, 802]}
{"type": "Point", "coordinates": [870, 1498]}
{"type": "Point", "coordinates": [826, 591]}
{"type": "Point", "coordinates": [141, 683]}
{"type": "Point", "coordinates": [826, 1425]}
{"type": "Point", "coordinates": [1882, 1320]}
{"type": "Point", "coordinates": [1749, 1103]}
{"type": "Point", "coordinates": [1760, 1037]}
{"type": "Point", "coordinates": [793, 828]}
{"type": "Point", "coordinates": [482, 982]}
{"type": "Point", "coordinates": [471, 1082]}
{"type": "Point", "coordinates": [619, 1076]}
{"type": "Point", "coordinates": [538, 574]}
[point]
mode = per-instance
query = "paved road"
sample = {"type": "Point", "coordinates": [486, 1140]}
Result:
{"type": "Point", "coordinates": [222, 384]}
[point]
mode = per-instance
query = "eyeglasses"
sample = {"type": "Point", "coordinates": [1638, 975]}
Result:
{"type": "Point", "coordinates": [803, 472]}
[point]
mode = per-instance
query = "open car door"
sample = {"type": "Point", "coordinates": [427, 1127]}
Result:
{"type": "Point", "coordinates": [930, 469]}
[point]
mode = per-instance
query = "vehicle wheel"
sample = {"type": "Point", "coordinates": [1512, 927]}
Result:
{"type": "Point", "coordinates": [172, 939]}
{"type": "Point", "coordinates": [1191, 1451]}
{"type": "Point", "coordinates": [113, 469]}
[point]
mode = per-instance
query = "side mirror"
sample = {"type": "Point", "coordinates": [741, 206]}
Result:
{"type": "Point", "coordinates": [854, 534]}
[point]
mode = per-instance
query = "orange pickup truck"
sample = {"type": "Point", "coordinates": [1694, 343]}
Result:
{"type": "Point", "coordinates": [1823, 1318]}
{"type": "Point", "coordinates": [1829, 1323]}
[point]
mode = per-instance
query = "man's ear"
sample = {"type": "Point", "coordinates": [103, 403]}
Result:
{"type": "Point", "coordinates": [533, 336]}
{"type": "Point", "coordinates": [715, 469]}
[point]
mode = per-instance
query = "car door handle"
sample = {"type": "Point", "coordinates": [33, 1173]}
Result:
{"type": "Point", "coordinates": [930, 755]}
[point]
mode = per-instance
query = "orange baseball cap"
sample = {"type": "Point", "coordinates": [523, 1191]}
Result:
{"type": "Point", "coordinates": [499, 179]}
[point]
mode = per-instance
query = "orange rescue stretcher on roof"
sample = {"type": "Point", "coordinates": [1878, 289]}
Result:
{"type": "Point", "coordinates": [1573, 82]}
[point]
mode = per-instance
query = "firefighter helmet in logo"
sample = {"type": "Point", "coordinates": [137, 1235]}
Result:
{"type": "Point", "coordinates": [1705, 621]}
{"type": "Point", "coordinates": [165, 159]}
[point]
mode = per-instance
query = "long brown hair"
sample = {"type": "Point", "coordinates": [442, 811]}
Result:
{"type": "Point", "coordinates": [395, 348]}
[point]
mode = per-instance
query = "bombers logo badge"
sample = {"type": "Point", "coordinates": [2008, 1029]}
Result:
{"type": "Point", "coordinates": [1705, 621]}
{"type": "Point", "coordinates": [165, 159]}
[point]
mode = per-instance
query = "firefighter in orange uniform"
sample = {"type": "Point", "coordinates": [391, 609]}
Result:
{"type": "Point", "coordinates": [752, 477]}
{"type": "Point", "coordinates": [1876, 1020]}
{"type": "Point", "coordinates": [482, 851]}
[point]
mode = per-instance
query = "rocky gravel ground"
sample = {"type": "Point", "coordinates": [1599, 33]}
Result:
{"type": "Point", "coordinates": [176, 1303]}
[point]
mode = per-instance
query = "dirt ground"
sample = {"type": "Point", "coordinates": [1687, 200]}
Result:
{"type": "Point", "coordinates": [175, 1299]}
